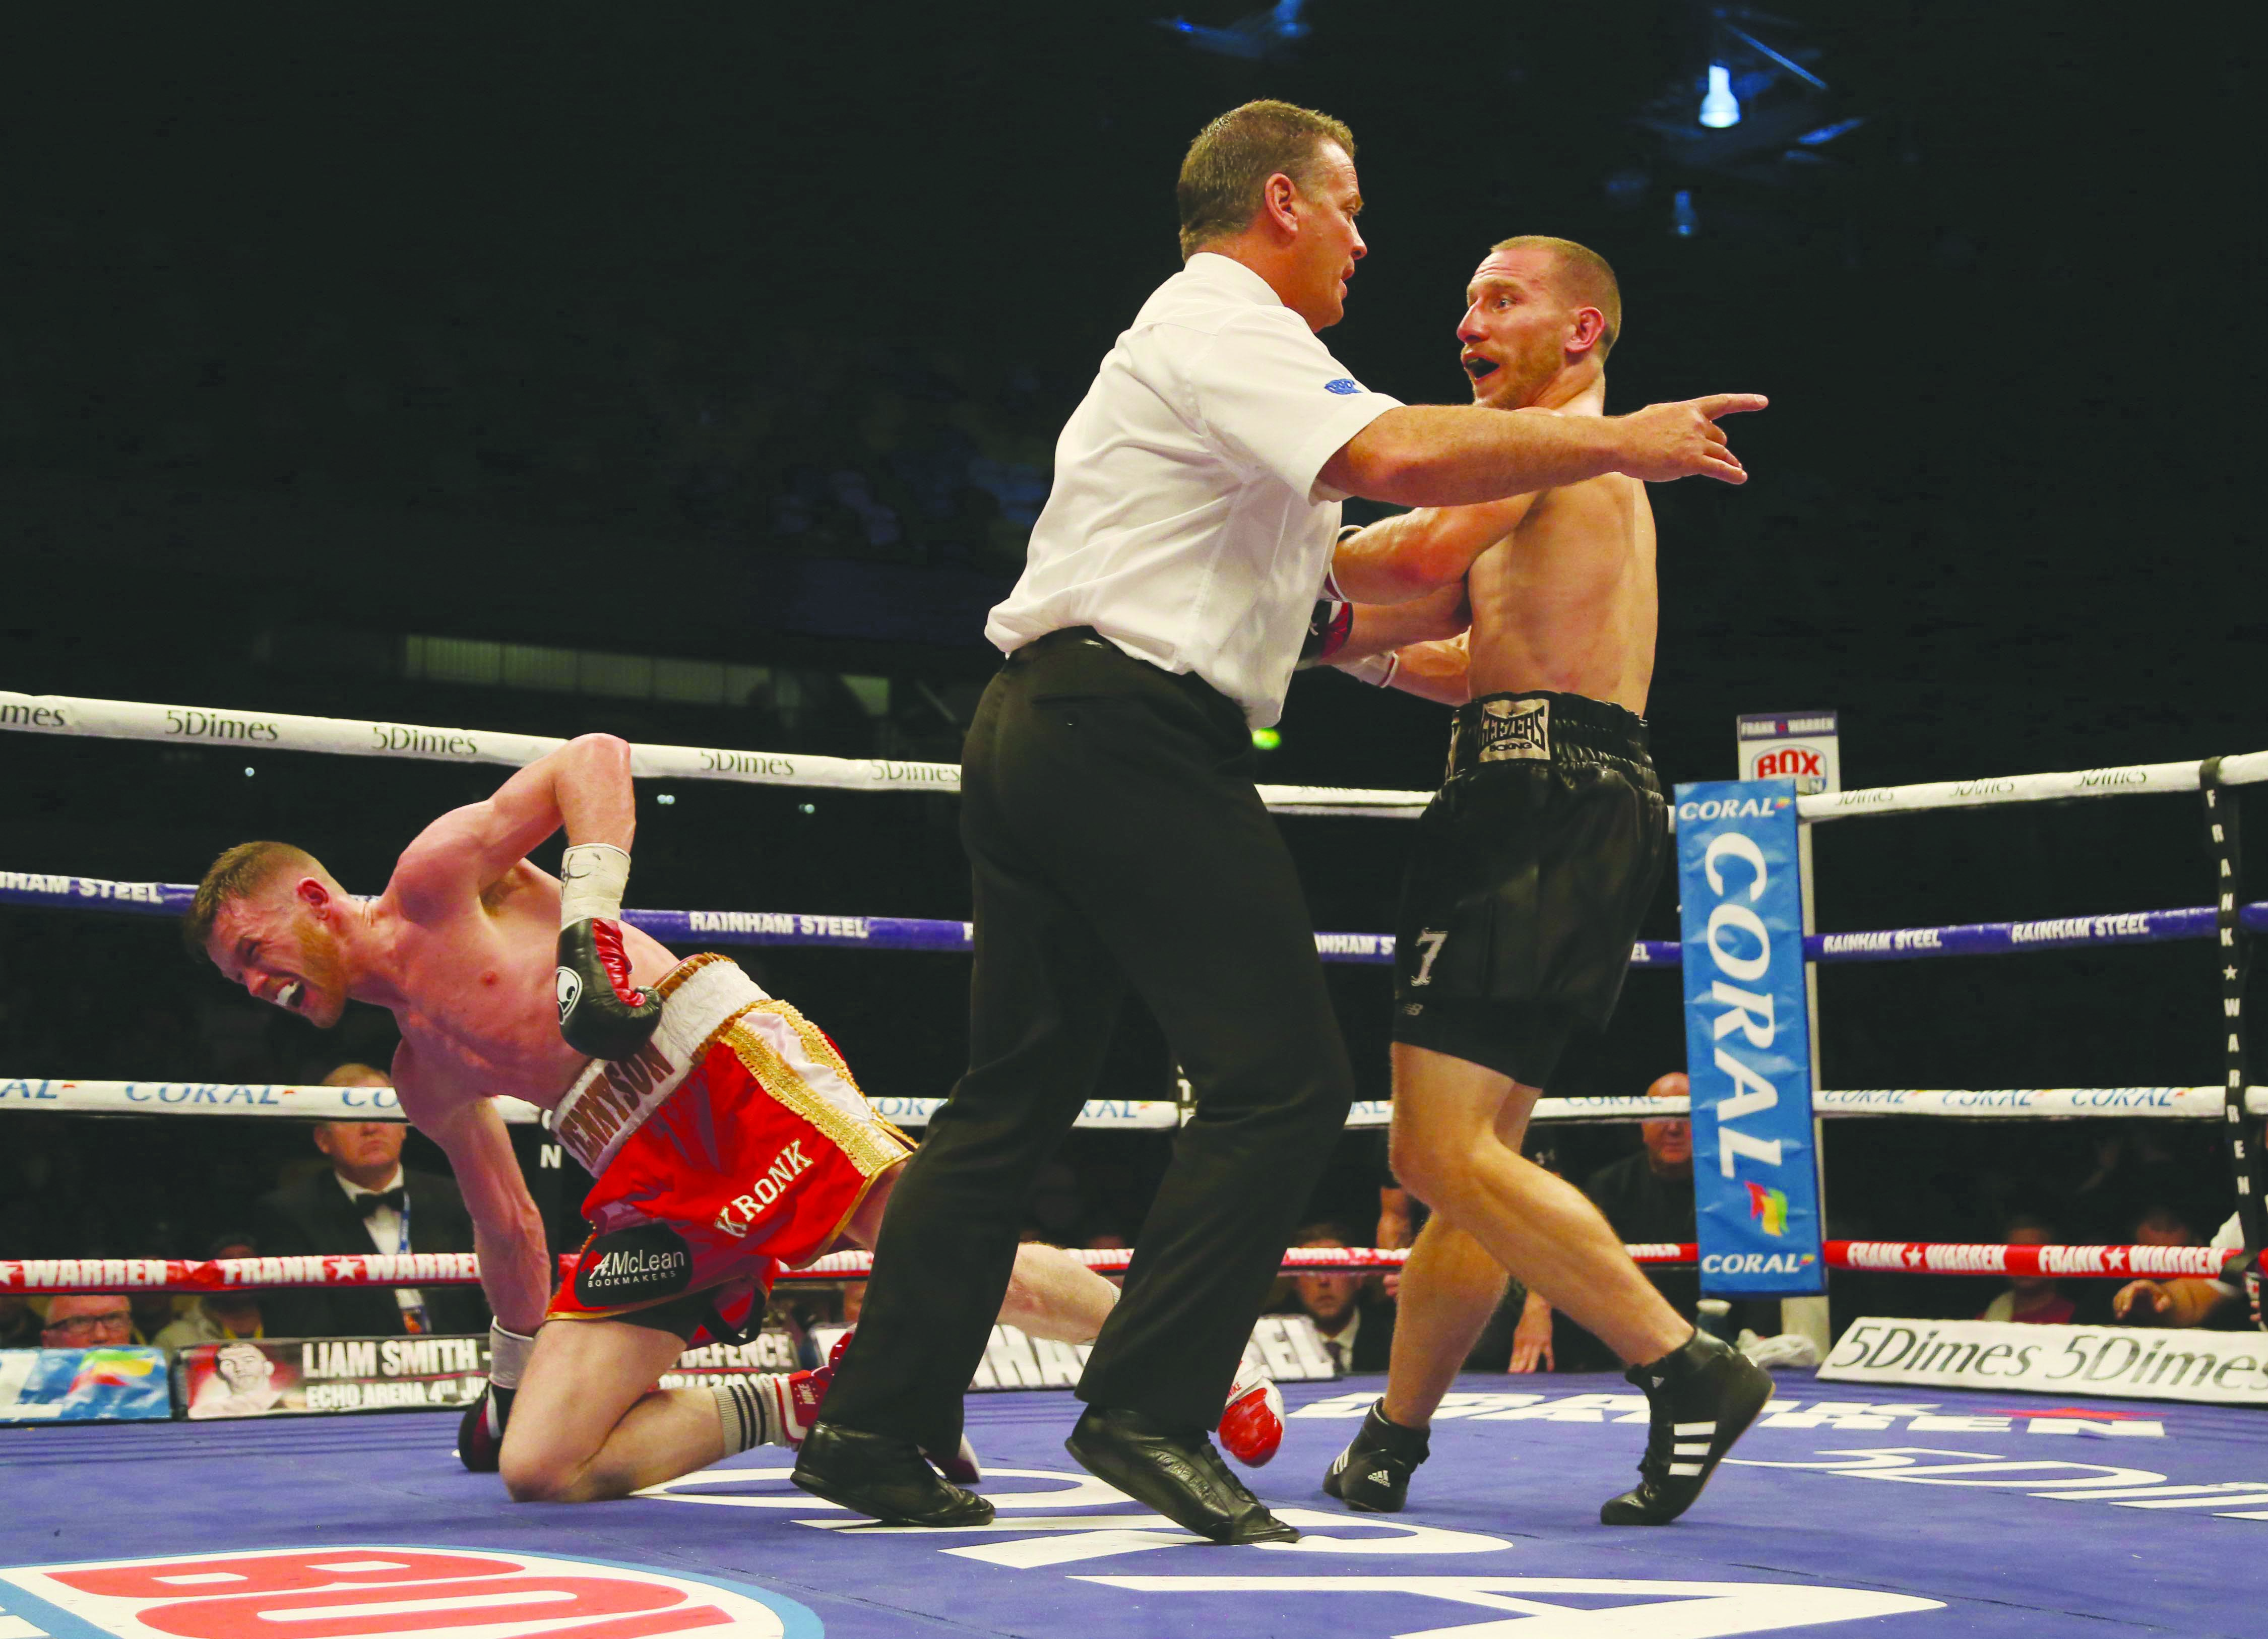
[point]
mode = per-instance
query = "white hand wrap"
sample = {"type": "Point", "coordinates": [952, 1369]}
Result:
{"type": "Point", "coordinates": [1376, 670]}
{"type": "Point", "coordinates": [508, 1353]}
{"type": "Point", "coordinates": [592, 878]}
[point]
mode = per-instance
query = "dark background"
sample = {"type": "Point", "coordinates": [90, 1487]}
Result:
{"type": "Point", "coordinates": [724, 335]}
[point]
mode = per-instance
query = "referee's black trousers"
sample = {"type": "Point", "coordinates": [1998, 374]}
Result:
{"type": "Point", "coordinates": [1116, 841]}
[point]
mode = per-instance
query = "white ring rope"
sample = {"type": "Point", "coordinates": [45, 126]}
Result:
{"type": "Point", "coordinates": [2136, 780]}
{"type": "Point", "coordinates": [202, 725]}
{"type": "Point", "coordinates": [254, 731]}
{"type": "Point", "coordinates": [378, 1104]}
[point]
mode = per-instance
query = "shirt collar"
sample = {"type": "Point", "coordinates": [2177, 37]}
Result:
{"type": "Point", "coordinates": [1232, 278]}
{"type": "Point", "coordinates": [356, 1192]}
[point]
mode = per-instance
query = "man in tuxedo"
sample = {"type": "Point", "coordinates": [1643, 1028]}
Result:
{"type": "Point", "coordinates": [367, 1201]}
{"type": "Point", "coordinates": [1356, 1326]}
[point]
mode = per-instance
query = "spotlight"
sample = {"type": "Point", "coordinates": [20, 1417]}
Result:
{"type": "Point", "coordinates": [1684, 221]}
{"type": "Point", "coordinates": [1719, 106]}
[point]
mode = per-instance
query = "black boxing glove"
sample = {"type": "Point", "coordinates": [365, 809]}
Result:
{"type": "Point", "coordinates": [601, 1013]}
{"type": "Point", "coordinates": [1327, 631]}
{"type": "Point", "coordinates": [480, 1431]}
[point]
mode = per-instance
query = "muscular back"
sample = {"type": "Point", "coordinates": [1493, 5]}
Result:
{"type": "Point", "coordinates": [1566, 602]}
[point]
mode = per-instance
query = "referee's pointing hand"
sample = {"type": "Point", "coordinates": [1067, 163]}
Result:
{"type": "Point", "coordinates": [1683, 440]}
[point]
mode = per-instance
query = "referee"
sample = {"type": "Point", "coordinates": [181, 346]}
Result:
{"type": "Point", "coordinates": [1117, 843]}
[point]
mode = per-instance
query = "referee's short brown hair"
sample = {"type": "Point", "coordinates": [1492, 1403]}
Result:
{"type": "Point", "coordinates": [1233, 158]}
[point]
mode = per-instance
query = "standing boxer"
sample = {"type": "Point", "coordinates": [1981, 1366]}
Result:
{"type": "Point", "coordinates": [1531, 872]}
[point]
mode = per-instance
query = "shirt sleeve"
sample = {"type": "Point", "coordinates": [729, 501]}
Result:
{"type": "Point", "coordinates": [1274, 399]}
{"type": "Point", "coordinates": [2229, 1238]}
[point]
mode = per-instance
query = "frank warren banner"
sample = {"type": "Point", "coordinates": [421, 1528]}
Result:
{"type": "Point", "coordinates": [1747, 1044]}
{"type": "Point", "coordinates": [2159, 1362]}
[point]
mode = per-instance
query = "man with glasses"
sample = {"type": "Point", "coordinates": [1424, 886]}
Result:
{"type": "Point", "coordinates": [88, 1320]}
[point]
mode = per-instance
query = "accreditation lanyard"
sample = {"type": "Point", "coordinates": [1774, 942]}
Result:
{"type": "Point", "coordinates": [414, 1318]}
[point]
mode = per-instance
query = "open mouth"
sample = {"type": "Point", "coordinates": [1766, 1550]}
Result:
{"type": "Point", "coordinates": [1478, 368]}
{"type": "Point", "coordinates": [289, 997]}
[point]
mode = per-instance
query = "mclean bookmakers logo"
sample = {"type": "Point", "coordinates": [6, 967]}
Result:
{"type": "Point", "coordinates": [368, 1590]}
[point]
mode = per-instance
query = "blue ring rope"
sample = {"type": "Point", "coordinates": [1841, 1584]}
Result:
{"type": "Point", "coordinates": [919, 933]}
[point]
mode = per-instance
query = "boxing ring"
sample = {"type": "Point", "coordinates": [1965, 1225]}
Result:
{"type": "Point", "coordinates": [2039, 1512]}
{"type": "Point", "coordinates": [1952, 1514]}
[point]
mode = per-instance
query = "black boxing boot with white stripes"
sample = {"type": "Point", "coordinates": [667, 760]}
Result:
{"type": "Point", "coordinates": [1704, 1395]}
{"type": "Point", "coordinates": [1371, 1476]}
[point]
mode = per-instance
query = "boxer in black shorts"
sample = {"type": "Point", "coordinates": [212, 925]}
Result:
{"type": "Point", "coordinates": [1529, 875]}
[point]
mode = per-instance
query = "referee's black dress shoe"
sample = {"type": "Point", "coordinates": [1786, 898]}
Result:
{"type": "Point", "coordinates": [887, 1478]}
{"type": "Point", "coordinates": [1178, 1475]}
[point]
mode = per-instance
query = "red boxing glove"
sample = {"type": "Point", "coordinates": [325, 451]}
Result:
{"type": "Point", "coordinates": [601, 1013]}
{"type": "Point", "coordinates": [480, 1431]}
{"type": "Point", "coordinates": [1252, 1427]}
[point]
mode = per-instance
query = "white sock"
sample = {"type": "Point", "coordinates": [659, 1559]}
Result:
{"type": "Point", "coordinates": [758, 1409]}
{"type": "Point", "coordinates": [748, 1410]}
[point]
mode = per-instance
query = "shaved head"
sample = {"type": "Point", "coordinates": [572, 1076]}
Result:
{"type": "Point", "coordinates": [1582, 276]}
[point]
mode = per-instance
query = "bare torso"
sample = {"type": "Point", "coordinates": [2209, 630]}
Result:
{"type": "Point", "coordinates": [1566, 603]}
{"type": "Point", "coordinates": [477, 1009]}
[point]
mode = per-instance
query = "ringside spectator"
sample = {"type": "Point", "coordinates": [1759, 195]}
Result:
{"type": "Point", "coordinates": [2161, 1226]}
{"type": "Point", "coordinates": [1646, 1196]}
{"type": "Point", "coordinates": [1358, 1329]}
{"type": "Point", "coordinates": [230, 1313]}
{"type": "Point", "coordinates": [19, 1322]}
{"type": "Point", "coordinates": [367, 1201]}
{"type": "Point", "coordinates": [2188, 1300]}
{"type": "Point", "coordinates": [152, 1312]}
{"type": "Point", "coordinates": [2033, 1299]}
{"type": "Point", "coordinates": [88, 1320]}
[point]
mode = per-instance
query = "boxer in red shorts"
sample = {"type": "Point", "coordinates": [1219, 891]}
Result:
{"type": "Point", "coordinates": [726, 1134]}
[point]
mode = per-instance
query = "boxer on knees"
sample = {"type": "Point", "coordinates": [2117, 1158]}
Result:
{"type": "Point", "coordinates": [1531, 871]}
{"type": "Point", "coordinates": [725, 1133]}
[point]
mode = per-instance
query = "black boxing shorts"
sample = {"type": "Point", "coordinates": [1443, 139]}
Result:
{"type": "Point", "coordinates": [1531, 871]}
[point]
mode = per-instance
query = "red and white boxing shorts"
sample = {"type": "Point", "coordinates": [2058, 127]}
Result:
{"type": "Point", "coordinates": [734, 1143]}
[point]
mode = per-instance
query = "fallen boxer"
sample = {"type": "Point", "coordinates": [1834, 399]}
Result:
{"type": "Point", "coordinates": [726, 1137]}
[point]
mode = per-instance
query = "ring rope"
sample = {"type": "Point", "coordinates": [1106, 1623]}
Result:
{"type": "Point", "coordinates": [291, 1102]}
{"type": "Point", "coordinates": [256, 731]}
{"type": "Point", "coordinates": [120, 719]}
{"type": "Point", "coordinates": [38, 1277]}
{"type": "Point", "coordinates": [933, 934]}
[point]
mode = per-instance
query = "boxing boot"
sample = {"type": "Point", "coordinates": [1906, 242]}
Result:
{"type": "Point", "coordinates": [1371, 1476]}
{"type": "Point", "coordinates": [1702, 1397]}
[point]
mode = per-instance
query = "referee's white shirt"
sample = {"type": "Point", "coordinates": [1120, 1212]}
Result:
{"type": "Point", "coordinates": [1186, 524]}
